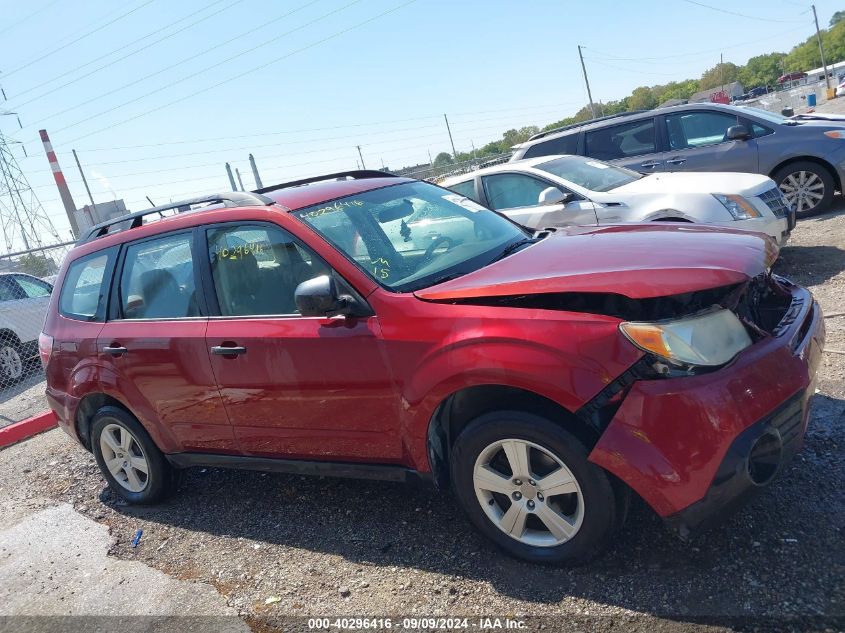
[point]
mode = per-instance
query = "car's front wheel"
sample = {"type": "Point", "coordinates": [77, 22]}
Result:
{"type": "Point", "coordinates": [808, 187]}
{"type": "Point", "coordinates": [526, 484]}
{"type": "Point", "coordinates": [11, 362]}
{"type": "Point", "coordinates": [128, 458]}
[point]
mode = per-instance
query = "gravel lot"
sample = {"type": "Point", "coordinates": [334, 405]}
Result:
{"type": "Point", "coordinates": [24, 399]}
{"type": "Point", "coordinates": [278, 545]}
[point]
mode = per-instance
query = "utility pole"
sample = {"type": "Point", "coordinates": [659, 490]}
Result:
{"type": "Point", "coordinates": [84, 180]}
{"type": "Point", "coordinates": [255, 175]}
{"type": "Point", "coordinates": [362, 157]}
{"type": "Point", "coordinates": [231, 177]}
{"type": "Point", "coordinates": [587, 82]}
{"type": "Point", "coordinates": [721, 72]}
{"type": "Point", "coordinates": [449, 130]}
{"type": "Point", "coordinates": [821, 48]}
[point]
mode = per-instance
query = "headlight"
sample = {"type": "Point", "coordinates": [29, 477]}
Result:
{"type": "Point", "coordinates": [737, 206]}
{"type": "Point", "coordinates": [712, 338]}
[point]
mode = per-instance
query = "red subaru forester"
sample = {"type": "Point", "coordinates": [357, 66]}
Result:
{"type": "Point", "coordinates": [367, 325]}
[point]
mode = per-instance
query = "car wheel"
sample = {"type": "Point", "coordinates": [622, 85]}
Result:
{"type": "Point", "coordinates": [527, 485]}
{"type": "Point", "coordinates": [132, 464]}
{"type": "Point", "coordinates": [11, 362]}
{"type": "Point", "coordinates": [808, 187]}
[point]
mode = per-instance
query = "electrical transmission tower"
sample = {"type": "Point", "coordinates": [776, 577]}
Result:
{"type": "Point", "coordinates": [23, 221]}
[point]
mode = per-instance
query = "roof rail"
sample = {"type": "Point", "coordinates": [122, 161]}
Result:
{"type": "Point", "coordinates": [583, 123]}
{"type": "Point", "coordinates": [354, 174]}
{"type": "Point", "coordinates": [134, 220]}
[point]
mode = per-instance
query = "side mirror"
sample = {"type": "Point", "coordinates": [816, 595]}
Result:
{"type": "Point", "coordinates": [319, 297]}
{"type": "Point", "coordinates": [738, 133]}
{"type": "Point", "coordinates": [553, 195]}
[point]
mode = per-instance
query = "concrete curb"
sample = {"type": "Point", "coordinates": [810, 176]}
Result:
{"type": "Point", "coordinates": [19, 431]}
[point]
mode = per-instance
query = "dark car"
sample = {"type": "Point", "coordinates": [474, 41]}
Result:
{"type": "Point", "coordinates": [546, 378]}
{"type": "Point", "coordinates": [805, 158]}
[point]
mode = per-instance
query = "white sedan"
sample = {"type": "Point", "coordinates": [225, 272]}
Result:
{"type": "Point", "coordinates": [553, 191]}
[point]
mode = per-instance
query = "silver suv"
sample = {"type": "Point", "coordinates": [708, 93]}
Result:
{"type": "Point", "coordinates": [805, 157]}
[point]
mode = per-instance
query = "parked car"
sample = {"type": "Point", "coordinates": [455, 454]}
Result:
{"type": "Point", "coordinates": [796, 76]}
{"type": "Point", "coordinates": [554, 191]}
{"type": "Point", "coordinates": [805, 158]}
{"type": "Point", "coordinates": [546, 379]}
{"type": "Point", "coordinates": [840, 87]}
{"type": "Point", "coordinates": [23, 306]}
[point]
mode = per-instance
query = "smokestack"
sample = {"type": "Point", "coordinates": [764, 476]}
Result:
{"type": "Point", "coordinates": [240, 182]}
{"type": "Point", "coordinates": [231, 178]}
{"type": "Point", "coordinates": [258, 184]}
{"type": "Point", "coordinates": [61, 183]}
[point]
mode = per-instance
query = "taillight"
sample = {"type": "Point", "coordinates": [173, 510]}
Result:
{"type": "Point", "coordinates": [45, 348]}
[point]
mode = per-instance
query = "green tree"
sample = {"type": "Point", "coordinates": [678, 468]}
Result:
{"type": "Point", "coordinates": [443, 158]}
{"type": "Point", "coordinates": [762, 70]}
{"type": "Point", "coordinates": [806, 55]}
{"type": "Point", "coordinates": [719, 75]}
{"type": "Point", "coordinates": [642, 99]}
{"type": "Point", "coordinates": [836, 18]}
{"type": "Point", "coordinates": [37, 265]}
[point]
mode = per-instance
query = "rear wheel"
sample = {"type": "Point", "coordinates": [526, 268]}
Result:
{"type": "Point", "coordinates": [11, 362]}
{"type": "Point", "coordinates": [808, 187]}
{"type": "Point", "coordinates": [134, 467]}
{"type": "Point", "coordinates": [527, 485]}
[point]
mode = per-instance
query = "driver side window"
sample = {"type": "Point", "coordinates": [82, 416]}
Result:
{"type": "Point", "coordinates": [511, 191]}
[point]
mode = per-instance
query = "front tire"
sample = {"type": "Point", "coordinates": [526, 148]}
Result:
{"type": "Point", "coordinates": [132, 464]}
{"type": "Point", "coordinates": [527, 485]}
{"type": "Point", "coordinates": [808, 187]}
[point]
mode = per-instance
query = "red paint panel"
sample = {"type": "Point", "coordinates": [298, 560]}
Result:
{"type": "Point", "coordinates": [638, 261]}
{"type": "Point", "coordinates": [669, 436]}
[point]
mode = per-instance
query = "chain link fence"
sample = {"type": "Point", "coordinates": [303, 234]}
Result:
{"type": "Point", "coordinates": [26, 283]}
{"type": "Point", "coordinates": [436, 173]}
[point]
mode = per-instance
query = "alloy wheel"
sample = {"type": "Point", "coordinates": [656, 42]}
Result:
{"type": "Point", "coordinates": [10, 362]}
{"type": "Point", "coordinates": [528, 493]}
{"type": "Point", "coordinates": [804, 190]}
{"type": "Point", "coordinates": [124, 457]}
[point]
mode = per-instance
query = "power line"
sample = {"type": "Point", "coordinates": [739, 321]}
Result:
{"type": "Point", "coordinates": [740, 15]}
{"type": "Point", "coordinates": [78, 39]}
{"type": "Point", "coordinates": [31, 15]}
{"type": "Point", "coordinates": [122, 48]}
{"type": "Point", "coordinates": [216, 47]}
{"type": "Point", "coordinates": [249, 71]}
{"type": "Point", "coordinates": [631, 70]}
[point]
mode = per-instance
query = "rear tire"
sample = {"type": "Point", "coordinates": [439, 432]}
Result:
{"type": "Point", "coordinates": [807, 186]}
{"type": "Point", "coordinates": [135, 469]}
{"type": "Point", "coordinates": [11, 362]}
{"type": "Point", "coordinates": [554, 507]}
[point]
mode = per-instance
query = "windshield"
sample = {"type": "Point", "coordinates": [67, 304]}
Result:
{"type": "Point", "coordinates": [589, 173]}
{"type": "Point", "coordinates": [413, 235]}
{"type": "Point", "coordinates": [771, 117]}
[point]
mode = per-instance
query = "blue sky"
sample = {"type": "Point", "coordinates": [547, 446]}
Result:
{"type": "Point", "coordinates": [157, 95]}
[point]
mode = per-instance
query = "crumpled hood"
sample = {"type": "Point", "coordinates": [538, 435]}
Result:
{"type": "Point", "coordinates": [699, 182]}
{"type": "Point", "coordinates": [635, 260]}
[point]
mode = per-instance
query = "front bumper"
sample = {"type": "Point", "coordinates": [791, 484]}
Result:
{"type": "Point", "coordinates": [778, 229]}
{"type": "Point", "coordinates": [684, 444]}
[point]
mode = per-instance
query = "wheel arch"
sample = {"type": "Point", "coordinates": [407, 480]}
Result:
{"type": "Point", "coordinates": [9, 334]}
{"type": "Point", "coordinates": [809, 159]}
{"type": "Point", "coordinates": [87, 409]}
{"type": "Point", "coordinates": [460, 407]}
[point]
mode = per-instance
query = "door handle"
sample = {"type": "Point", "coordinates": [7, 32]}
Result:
{"type": "Point", "coordinates": [676, 161]}
{"type": "Point", "coordinates": [221, 350]}
{"type": "Point", "coordinates": [115, 350]}
{"type": "Point", "coordinates": [650, 164]}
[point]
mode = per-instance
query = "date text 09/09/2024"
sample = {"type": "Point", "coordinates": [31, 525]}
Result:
{"type": "Point", "coordinates": [414, 624]}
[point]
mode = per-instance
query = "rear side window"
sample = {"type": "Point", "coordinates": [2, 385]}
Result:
{"type": "Point", "coordinates": [33, 288]}
{"type": "Point", "coordinates": [158, 279]}
{"type": "Point", "coordinates": [562, 145]}
{"type": "Point", "coordinates": [466, 188]}
{"type": "Point", "coordinates": [621, 141]}
{"type": "Point", "coordinates": [83, 295]}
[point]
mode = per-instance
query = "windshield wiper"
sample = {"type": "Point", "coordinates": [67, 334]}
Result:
{"type": "Point", "coordinates": [512, 248]}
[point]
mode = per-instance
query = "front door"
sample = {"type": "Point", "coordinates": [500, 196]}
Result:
{"type": "Point", "coordinates": [293, 386]}
{"type": "Point", "coordinates": [698, 141]}
{"type": "Point", "coordinates": [517, 196]}
{"type": "Point", "coordinates": [153, 347]}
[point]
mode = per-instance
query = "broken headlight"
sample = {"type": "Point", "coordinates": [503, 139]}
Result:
{"type": "Point", "coordinates": [710, 338]}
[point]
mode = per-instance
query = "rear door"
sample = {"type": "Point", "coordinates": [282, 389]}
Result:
{"type": "Point", "coordinates": [152, 347]}
{"type": "Point", "coordinates": [697, 141]}
{"type": "Point", "coordinates": [635, 144]}
{"type": "Point", "coordinates": [517, 196]}
{"type": "Point", "coordinates": [293, 386]}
